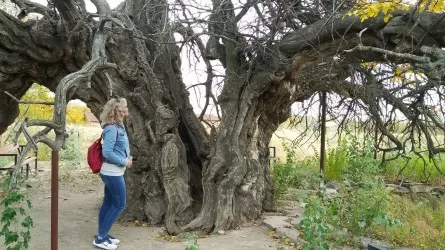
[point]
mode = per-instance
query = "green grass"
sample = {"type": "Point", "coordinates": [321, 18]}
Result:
{"type": "Point", "coordinates": [415, 169]}
{"type": "Point", "coordinates": [336, 161]}
{"type": "Point", "coordinates": [423, 222]}
{"type": "Point", "coordinates": [6, 160]}
{"type": "Point", "coordinates": [302, 174]}
{"type": "Point", "coordinates": [365, 207]}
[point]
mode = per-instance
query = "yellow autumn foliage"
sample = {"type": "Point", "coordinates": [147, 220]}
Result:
{"type": "Point", "coordinates": [369, 65]}
{"type": "Point", "coordinates": [398, 72]}
{"type": "Point", "coordinates": [37, 111]}
{"type": "Point", "coordinates": [366, 9]}
{"type": "Point", "coordinates": [75, 114]}
{"type": "Point", "coordinates": [436, 6]}
{"type": "Point", "coordinates": [403, 73]}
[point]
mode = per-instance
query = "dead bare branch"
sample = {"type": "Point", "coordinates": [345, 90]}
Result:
{"type": "Point", "coordinates": [27, 7]}
{"type": "Point", "coordinates": [27, 102]}
{"type": "Point", "coordinates": [411, 57]}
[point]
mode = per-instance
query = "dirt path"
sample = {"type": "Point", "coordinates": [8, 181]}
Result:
{"type": "Point", "coordinates": [79, 199]}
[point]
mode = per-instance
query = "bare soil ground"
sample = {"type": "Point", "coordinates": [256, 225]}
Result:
{"type": "Point", "coordinates": [80, 196]}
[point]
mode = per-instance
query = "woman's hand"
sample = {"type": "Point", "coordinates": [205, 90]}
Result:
{"type": "Point", "coordinates": [129, 162]}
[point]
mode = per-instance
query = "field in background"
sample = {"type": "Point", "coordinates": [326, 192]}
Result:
{"type": "Point", "coordinates": [303, 147]}
{"type": "Point", "coordinates": [285, 139]}
{"type": "Point", "coordinates": [84, 135]}
{"type": "Point", "coordinates": [81, 136]}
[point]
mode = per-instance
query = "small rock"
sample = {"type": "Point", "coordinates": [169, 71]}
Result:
{"type": "Point", "coordinates": [420, 188]}
{"type": "Point", "coordinates": [330, 191]}
{"type": "Point", "coordinates": [291, 233]}
{"type": "Point", "coordinates": [273, 222]}
{"type": "Point", "coordinates": [440, 190]}
{"type": "Point", "coordinates": [221, 232]}
{"type": "Point", "coordinates": [292, 221]}
{"type": "Point", "coordinates": [397, 189]}
{"type": "Point", "coordinates": [332, 185]}
{"type": "Point", "coordinates": [376, 243]}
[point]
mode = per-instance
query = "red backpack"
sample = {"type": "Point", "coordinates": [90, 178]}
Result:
{"type": "Point", "coordinates": [94, 156]}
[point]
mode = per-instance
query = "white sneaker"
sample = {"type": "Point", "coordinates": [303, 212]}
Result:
{"type": "Point", "coordinates": [104, 244]}
{"type": "Point", "coordinates": [113, 240]}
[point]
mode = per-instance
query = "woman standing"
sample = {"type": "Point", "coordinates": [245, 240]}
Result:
{"type": "Point", "coordinates": [116, 154]}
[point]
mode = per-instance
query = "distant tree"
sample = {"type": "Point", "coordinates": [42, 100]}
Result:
{"type": "Point", "coordinates": [37, 111]}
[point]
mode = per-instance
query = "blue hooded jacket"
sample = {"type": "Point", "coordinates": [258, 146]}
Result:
{"type": "Point", "coordinates": [115, 148]}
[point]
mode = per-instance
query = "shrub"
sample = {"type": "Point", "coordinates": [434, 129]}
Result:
{"type": "Point", "coordinates": [71, 151]}
{"type": "Point", "coordinates": [75, 114]}
{"type": "Point", "coordinates": [295, 174]}
{"type": "Point", "coordinates": [315, 225]}
{"type": "Point", "coordinates": [44, 153]}
{"type": "Point", "coordinates": [37, 111]}
{"type": "Point", "coordinates": [362, 201]}
{"type": "Point", "coordinates": [15, 220]}
{"type": "Point", "coordinates": [422, 218]}
{"type": "Point", "coordinates": [415, 169]}
{"type": "Point", "coordinates": [336, 161]}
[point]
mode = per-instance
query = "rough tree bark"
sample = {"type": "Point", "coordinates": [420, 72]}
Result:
{"type": "Point", "coordinates": [183, 176]}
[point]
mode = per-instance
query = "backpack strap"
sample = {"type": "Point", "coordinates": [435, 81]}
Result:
{"type": "Point", "coordinates": [117, 130]}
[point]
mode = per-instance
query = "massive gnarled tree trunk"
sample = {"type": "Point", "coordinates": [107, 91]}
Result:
{"type": "Point", "coordinates": [184, 176]}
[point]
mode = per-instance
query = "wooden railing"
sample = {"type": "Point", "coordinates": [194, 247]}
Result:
{"type": "Point", "coordinates": [14, 150]}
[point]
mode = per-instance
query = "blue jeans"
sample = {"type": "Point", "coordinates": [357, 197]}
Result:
{"type": "Point", "coordinates": [113, 204]}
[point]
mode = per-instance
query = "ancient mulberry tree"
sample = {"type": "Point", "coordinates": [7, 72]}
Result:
{"type": "Point", "coordinates": [259, 57]}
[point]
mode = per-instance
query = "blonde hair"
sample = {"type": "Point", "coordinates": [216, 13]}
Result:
{"type": "Point", "coordinates": [110, 113]}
